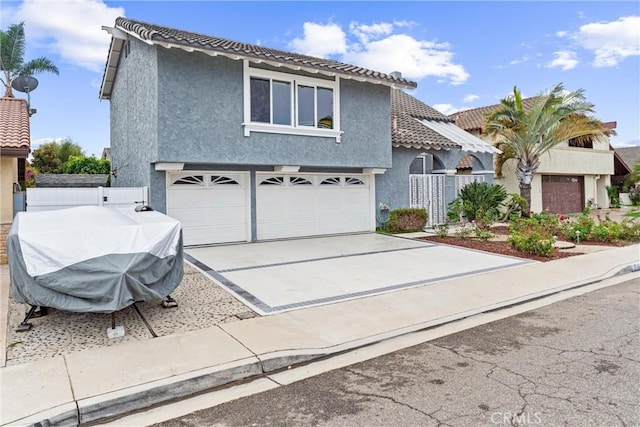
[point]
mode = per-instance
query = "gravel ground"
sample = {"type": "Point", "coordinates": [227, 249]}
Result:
{"type": "Point", "coordinates": [201, 304]}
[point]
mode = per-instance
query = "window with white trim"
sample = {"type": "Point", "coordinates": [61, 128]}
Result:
{"type": "Point", "coordinates": [277, 102]}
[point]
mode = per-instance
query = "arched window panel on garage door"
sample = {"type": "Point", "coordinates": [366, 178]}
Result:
{"type": "Point", "coordinates": [333, 180]}
{"type": "Point", "coordinates": [189, 180]}
{"type": "Point", "coordinates": [273, 180]}
{"type": "Point", "coordinates": [222, 180]}
{"type": "Point", "coordinates": [353, 181]}
{"type": "Point", "coordinates": [298, 180]}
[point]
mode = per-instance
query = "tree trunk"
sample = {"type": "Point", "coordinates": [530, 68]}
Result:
{"type": "Point", "coordinates": [525, 192]}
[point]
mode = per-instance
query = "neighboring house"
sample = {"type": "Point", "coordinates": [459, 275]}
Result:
{"type": "Point", "coordinates": [241, 142]}
{"type": "Point", "coordinates": [69, 180]}
{"type": "Point", "coordinates": [106, 153]}
{"type": "Point", "coordinates": [15, 145]}
{"type": "Point", "coordinates": [570, 175]}
{"type": "Point", "coordinates": [432, 158]}
{"type": "Point", "coordinates": [626, 158]}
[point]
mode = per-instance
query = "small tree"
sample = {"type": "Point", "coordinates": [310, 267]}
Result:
{"type": "Point", "coordinates": [87, 164]}
{"type": "Point", "coordinates": [67, 148]}
{"type": "Point", "coordinates": [45, 159]}
{"type": "Point", "coordinates": [527, 133]}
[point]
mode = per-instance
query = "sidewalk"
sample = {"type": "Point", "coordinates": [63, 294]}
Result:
{"type": "Point", "coordinates": [104, 382]}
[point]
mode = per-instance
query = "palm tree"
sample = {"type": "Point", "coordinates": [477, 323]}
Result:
{"type": "Point", "coordinates": [526, 134]}
{"type": "Point", "coordinates": [12, 46]}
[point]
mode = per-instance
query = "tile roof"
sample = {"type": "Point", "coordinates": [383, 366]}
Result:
{"type": "Point", "coordinates": [465, 163]}
{"type": "Point", "coordinates": [50, 180]}
{"type": "Point", "coordinates": [474, 118]}
{"type": "Point", "coordinates": [630, 155]}
{"type": "Point", "coordinates": [15, 136]}
{"type": "Point", "coordinates": [170, 37]}
{"type": "Point", "coordinates": [402, 101]}
{"type": "Point", "coordinates": [414, 124]}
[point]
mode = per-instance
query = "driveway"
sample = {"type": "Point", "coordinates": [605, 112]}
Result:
{"type": "Point", "coordinates": [277, 276]}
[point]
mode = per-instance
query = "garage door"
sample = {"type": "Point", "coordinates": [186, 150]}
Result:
{"type": "Point", "coordinates": [212, 206]}
{"type": "Point", "coordinates": [563, 194]}
{"type": "Point", "coordinates": [313, 204]}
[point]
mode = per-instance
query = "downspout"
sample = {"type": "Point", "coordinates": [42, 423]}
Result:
{"type": "Point", "coordinates": [595, 190]}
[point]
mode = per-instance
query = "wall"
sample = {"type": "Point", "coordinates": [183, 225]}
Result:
{"type": "Point", "coordinates": [134, 116]}
{"type": "Point", "coordinates": [201, 115]}
{"type": "Point", "coordinates": [8, 175]}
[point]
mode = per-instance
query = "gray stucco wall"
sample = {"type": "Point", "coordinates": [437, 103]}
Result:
{"type": "Point", "coordinates": [134, 121]}
{"type": "Point", "coordinates": [200, 114]}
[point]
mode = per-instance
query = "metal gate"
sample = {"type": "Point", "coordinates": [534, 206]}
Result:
{"type": "Point", "coordinates": [463, 180]}
{"type": "Point", "coordinates": [427, 192]}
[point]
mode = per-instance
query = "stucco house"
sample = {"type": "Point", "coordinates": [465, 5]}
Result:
{"type": "Point", "coordinates": [15, 145]}
{"type": "Point", "coordinates": [570, 175]}
{"type": "Point", "coordinates": [241, 142]}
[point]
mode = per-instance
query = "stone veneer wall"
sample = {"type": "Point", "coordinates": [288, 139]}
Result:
{"type": "Point", "coordinates": [4, 231]}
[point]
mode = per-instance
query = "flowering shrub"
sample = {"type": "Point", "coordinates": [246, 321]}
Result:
{"type": "Point", "coordinates": [579, 228]}
{"type": "Point", "coordinates": [532, 241]}
{"type": "Point", "coordinates": [534, 235]}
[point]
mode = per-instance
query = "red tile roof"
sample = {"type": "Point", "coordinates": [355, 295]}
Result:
{"type": "Point", "coordinates": [15, 137]}
{"type": "Point", "coordinates": [473, 119]}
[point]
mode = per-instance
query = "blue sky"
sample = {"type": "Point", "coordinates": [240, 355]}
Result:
{"type": "Point", "coordinates": [461, 54]}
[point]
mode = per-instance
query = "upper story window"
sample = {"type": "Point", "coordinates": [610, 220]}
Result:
{"type": "Point", "coordinates": [573, 142]}
{"type": "Point", "coordinates": [277, 102]}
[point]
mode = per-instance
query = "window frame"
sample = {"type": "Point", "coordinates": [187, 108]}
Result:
{"type": "Point", "coordinates": [295, 81]}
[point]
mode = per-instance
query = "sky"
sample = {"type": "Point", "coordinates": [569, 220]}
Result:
{"type": "Point", "coordinates": [461, 54]}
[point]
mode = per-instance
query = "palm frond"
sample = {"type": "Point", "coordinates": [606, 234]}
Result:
{"type": "Point", "coordinates": [38, 65]}
{"type": "Point", "coordinates": [12, 47]}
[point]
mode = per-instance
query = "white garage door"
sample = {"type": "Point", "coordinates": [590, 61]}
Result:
{"type": "Point", "coordinates": [313, 204]}
{"type": "Point", "coordinates": [212, 206]}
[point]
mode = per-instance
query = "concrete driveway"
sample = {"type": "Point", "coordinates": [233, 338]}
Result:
{"type": "Point", "coordinates": [277, 276]}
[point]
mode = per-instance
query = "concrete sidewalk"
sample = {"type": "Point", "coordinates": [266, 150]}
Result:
{"type": "Point", "coordinates": [105, 382]}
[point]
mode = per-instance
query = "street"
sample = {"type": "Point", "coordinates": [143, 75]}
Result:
{"type": "Point", "coordinates": [573, 363]}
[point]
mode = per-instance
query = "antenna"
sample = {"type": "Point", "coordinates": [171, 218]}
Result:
{"type": "Point", "coordinates": [26, 84]}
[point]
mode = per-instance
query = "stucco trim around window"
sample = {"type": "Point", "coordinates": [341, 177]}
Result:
{"type": "Point", "coordinates": [295, 82]}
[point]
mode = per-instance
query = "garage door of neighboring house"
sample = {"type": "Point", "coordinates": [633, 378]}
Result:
{"type": "Point", "coordinates": [563, 194]}
{"type": "Point", "coordinates": [313, 204]}
{"type": "Point", "coordinates": [213, 207]}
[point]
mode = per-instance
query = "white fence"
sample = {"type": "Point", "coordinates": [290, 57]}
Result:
{"type": "Point", "coordinates": [48, 199]}
{"type": "Point", "coordinates": [427, 192]}
{"type": "Point", "coordinates": [462, 180]}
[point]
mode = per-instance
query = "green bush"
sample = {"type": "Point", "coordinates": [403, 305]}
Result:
{"type": "Point", "coordinates": [534, 235]}
{"type": "Point", "coordinates": [483, 233]}
{"type": "Point", "coordinates": [407, 220]}
{"type": "Point", "coordinates": [533, 241]}
{"type": "Point", "coordinates": [442, 230]}
{"type": "Point", "coordinates": [630, 229]}
{"type": "Point", "coordinates": [482, 201]}
{"type": "Point", "coordinates": [580, 226]}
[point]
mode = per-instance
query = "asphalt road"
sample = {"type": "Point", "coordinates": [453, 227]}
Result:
{"type": "Point", "coordinates": [574, 363]}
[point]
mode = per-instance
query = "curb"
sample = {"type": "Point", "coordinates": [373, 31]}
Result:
{"type": "Point", "coordinates": [116, 404]}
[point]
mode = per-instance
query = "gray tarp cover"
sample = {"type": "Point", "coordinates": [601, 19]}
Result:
{"type": "Point", "coordinates": [93, 259]}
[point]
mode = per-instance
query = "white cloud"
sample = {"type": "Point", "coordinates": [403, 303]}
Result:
{"type": "Point", "coordinates": [321, 40]}
{"type": "Point", "coordinates": [561, 34]}
{"type": "Point", "coordinates": [522, 60]}
{"type": "Point", "coordinates": [377, 47]}
{"type": "Point", "coordinates": [470, 98]}
{"type": "Point", "coordinates": [564, 59]}
{"type": "Point", "coordinates": [446, 108]}
{"type": "Point", "coordinates": [611, 42]}
{"type": "Point", "coordinates": [70, 28]}
{"type": "Point", "coordinates": [366, 32]}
